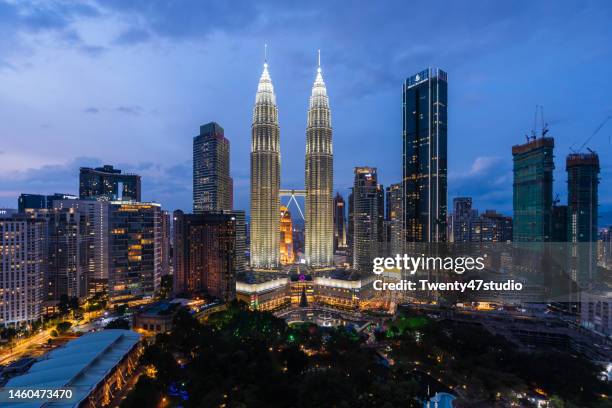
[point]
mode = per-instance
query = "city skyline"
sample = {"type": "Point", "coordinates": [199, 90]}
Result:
{"type": "Point", "coordinates": [480, 98]}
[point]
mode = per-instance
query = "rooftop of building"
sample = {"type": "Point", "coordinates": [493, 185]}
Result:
{"type": "Point", "coordinates": [80, 365]}
{"type": "Point", "coordinates": [161, 308]}
{"type": "Point", "coordinates": [533, 144]}
{"type": "Point", "coordinates": [582, 159]}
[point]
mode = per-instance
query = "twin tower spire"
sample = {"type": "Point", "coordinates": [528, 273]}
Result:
{"type": "Point", "coordinates": [265, 177]}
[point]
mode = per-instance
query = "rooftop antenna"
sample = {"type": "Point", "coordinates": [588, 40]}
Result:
{"type": "Point", "coordinates": [266, 54]}
{"type": "Point", "coordinates": [319, 62]}
{"type": "Point", "coordinates": [544, 125]}
{"type": "Point", "coordinates": [535, 123]}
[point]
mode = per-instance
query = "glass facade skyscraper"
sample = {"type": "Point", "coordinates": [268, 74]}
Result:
{"type": "Point", "coordinates": [533, 165]}
{"type": "Point", "coordinates": [582, 202]}
{"type": "Point", "coordinates": [424, 169]}
{"type": "Point", "coordinates": [212, 183]}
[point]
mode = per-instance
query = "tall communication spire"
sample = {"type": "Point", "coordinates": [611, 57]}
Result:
{"type": "Point", "coordinates": [319, 177]}
{"type": "Point", "coordinates": [265, 175]}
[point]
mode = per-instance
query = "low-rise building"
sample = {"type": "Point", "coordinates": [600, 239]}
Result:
{"type": "Point", "coordinates": [92, 367]}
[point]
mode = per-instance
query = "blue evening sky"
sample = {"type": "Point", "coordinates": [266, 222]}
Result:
{"type": "Point", "coordinates": [84, 83]}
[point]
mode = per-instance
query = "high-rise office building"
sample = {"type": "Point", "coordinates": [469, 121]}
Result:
{"type": "Point", "coordinates": [425, 97]}
{"type": "Point", "coordinates": [339, 223]}
{"type": "Point", "coordinates": [462, 219]}
{"type": "Point", "coordinates": [22, 269]}
{"type": "Point", "coordinates": [205, 254]}
{"type": "Point", "coordinates": [40, 201]}
{"type": "Point", "coordinates": [368, 216]}
{"type": "Point", "coordinates": [265, 177]}
{"type": "Point", "coordinates": [350, 228]}
{"type": "Point", "coordinates": [98, 261]}
{"type": "Point", "coordinates": [212, 184]}
{"type": "Point", "coordinates": [532, 190]}
{"type": "Point", "coordinates": [319, 178]}
{"type": "Point", "coordinates": [165, 243]}
{"type": "Point", "coordinates": [582, 202]}
{"type": "Point", "coordinates": [135, 250]}
{"type": "Point", "coordinates": [287, 256]}
{"type": "Point", "coordinates": [108, 183]}
{"type": "Point", "coordinates": [69, 253]}
{"type": "Point", "coordinates": [394, 216]}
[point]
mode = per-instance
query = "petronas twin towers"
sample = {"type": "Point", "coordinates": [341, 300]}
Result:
{"type": "Point", "coordinates": [265, 177]}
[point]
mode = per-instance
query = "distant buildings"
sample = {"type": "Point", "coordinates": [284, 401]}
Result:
{"type": "Point", "coordinates": [108, 183]}
{"type": "Point", "coordinates": [265, 177]}
{"type": "Point", "coordinates": [319, 178]}
{"type": "Point", "coordinates": [339, 223]}
{"type": "Point", "coordinates": [23, 269]}
{"type": "Point", "coordinates": [135, 250]}
{"type": "Point", "coordinates": [463, 218]}
{"type": "Point", "coordinates": [287, 255]}
{"type": "Point", "coordinates": [40, 201]}
{"type": "Point", "coordinates": [212, 185]}
{"type": "Point", "coordinates": [367, 218]}
{"type": "Point", "coordinates": [491, 226]}
{"type": "Point", "coordinates": [205, 254]}
{"type": "Point", "coordinates": [393, 216]}
{"type": "Point", "coordinates": [533, 190]}
{"type": "Point", "coordinates": [466, 225]}
{"type": "Point", "coordinates": [424, 169]}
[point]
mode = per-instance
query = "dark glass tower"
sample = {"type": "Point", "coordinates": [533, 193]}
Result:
{"type": "Point", "coordinates": [582, 201]}
{"type": "Point", "coordinates": [212, 184]}
{"type": "Point", "coordinates": [367, 217]}
{"type": "Point", "coordinates": [532, 190]}
{"type": "Point", "coordinates": [108, 183]}
{"type": "Point", "coordinates": [424, 167]}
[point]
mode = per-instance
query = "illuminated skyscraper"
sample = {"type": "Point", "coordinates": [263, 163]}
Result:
{"type": "Point", "coordinates": [425, 156]}
{"type": "Point", "coordinates": [339, 223]}
{"type": "Point", "coordinates": [265, 177]}
{"type": "Point", "coordinates": [319, 178]}
{"type": "Point", "coordinates": [286, 237]}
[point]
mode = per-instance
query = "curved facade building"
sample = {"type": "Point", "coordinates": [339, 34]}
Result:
{"type": "Point", "coordinates": [265, 177]}
{"type": "Point", "coordinates": [319, 179]}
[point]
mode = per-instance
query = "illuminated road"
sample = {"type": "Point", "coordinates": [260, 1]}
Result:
{"type": "Point", "coordinates": [24, 347]}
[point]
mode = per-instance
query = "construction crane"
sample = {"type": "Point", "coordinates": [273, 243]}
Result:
{"type": "Point", "coordinates": [539, 109]}
{"type": "Point", "coordinates": [592, 134]}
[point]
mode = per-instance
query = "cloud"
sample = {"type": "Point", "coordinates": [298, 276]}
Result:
{"type": "Point", "coordinates": [170, 185]}
{"type": "Point", "coordinates": [488, 181]}
{"type": "Point", "coordinates": [132, 36]}
{"type": "Point", "coordinates": [130, 110]}
{"type": "Point", "coordinates": [91, 110]}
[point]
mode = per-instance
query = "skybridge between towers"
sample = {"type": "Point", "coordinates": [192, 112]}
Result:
{"type": "Point", "coordinates": [292, 193]}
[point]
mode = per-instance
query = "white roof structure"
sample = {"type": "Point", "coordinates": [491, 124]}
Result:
{"type": "Point", "coordinates": [80, 365]}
